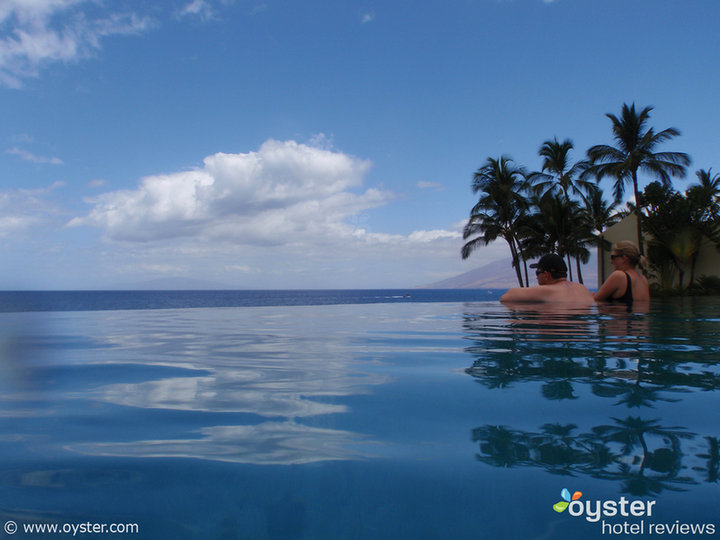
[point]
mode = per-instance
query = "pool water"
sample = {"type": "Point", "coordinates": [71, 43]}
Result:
{"type": "Point", "coordinates": [402, 420]}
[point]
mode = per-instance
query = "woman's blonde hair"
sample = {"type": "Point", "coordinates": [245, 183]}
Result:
{"type": "Point", "coordinates": [631, 251]}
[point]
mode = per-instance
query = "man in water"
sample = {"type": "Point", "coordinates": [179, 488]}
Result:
{"type": "Point", "coordinates": [553, 285]}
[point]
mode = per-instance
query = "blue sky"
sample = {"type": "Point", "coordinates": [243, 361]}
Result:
{"type": "Point", "coordinates": [314, 144]}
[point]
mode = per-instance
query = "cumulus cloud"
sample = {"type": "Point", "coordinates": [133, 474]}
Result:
{"type": "Point", "coordinates": [34, 34]}
{"type": "Point", "coordinates": [285, 192]}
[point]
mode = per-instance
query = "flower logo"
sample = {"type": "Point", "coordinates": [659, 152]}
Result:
{"type": "Point", "coordinates": [565, 494]}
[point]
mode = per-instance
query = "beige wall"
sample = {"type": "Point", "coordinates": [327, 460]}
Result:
{"type": "Point", "coordinates": [708, 261]}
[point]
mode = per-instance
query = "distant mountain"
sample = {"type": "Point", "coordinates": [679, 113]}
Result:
{"type": "Point", "coordinates": [501, 275]}
{"type": "Point", "coordinates": [494, 275]}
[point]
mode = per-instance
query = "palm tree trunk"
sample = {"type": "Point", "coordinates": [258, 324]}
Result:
{"type": "Point", "coordinates": [579, 273]}
{"type": "Point", "coordinates": [638, 213]}
{"type": "Point", "coordinates": [515, 260]}
{"type": "Point", "coordinates": [524, 260]}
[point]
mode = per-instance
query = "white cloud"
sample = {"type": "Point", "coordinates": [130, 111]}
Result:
{"type": "Point", "coordinates": [26, 210]}
{"type": "Point", "coordinates": [430, 236]}
{"type": "Point", "coordinates": [367, 17]}
{"type": "Point", "coordinates": [437, 186]}
{"type": "Point", "coordinates": [39, 32]}
{"type": "Point", "coordinates": [198, 8]}
{"type": "Point", "coordinates": [10, 225]}
{"type": "Point", "coordinates": [322, 141]}
{"type": "Point", "coordinates": [27, 156]}
{"type": "Point", "coordinates": [285, 192]}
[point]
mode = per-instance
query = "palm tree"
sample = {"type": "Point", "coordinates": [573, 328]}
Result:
{"type": "Point", "coordinates": [558, 175]}
{"type": "Point", "coordinates": [499, 210]}
{"type": "Point", "coordinates": [556, 226]}
{"type": "Point", "coordinates": [635, 151]}
{"type": "Point", "coordinates": [581, 235]}
{"type": "Point", "coordinates": [600, 213]}
{"type": "Point", "coordinates": [706, 194]}
{"type": "Point", "coordinates": [548, 228]}
{"type": "Point", "coordinates": [557, 171]}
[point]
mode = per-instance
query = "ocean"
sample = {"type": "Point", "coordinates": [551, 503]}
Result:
{"type": "Point", "coordinates": [355, 414]}
{"type": "Point", "coordinates": [12, 301]}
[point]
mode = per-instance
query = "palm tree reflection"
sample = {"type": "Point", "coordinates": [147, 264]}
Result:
{"type": "Point", "coordinates": [645, 457]}
{"type": "Point", "coordinates": [635, 359]}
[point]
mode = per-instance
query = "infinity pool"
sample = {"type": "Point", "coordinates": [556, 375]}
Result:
{"type": "Point", "coordinates": [405, 420]}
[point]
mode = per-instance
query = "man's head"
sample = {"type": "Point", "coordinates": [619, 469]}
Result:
{"type": "Point", "coordinates": [552, 264]}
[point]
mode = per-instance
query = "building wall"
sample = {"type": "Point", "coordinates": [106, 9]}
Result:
{"type": "Point", "coordinates": [708, 261]}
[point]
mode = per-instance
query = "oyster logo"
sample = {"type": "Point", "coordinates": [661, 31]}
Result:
{"type": "Point", "coordinates": [596, 511]}
{"type": "Point", "coordinates": [565, 494]}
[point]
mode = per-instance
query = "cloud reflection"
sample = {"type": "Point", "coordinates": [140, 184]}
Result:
{"type": "Point", "coordinates": [266, 363]}
{"type": "Point", "coordinates": [217, 394]}
{"type": "Point", "coordinates": [269, 443]}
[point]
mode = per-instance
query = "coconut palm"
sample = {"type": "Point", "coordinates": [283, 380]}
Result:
{"type": "Point", "coordinates": [548, 228]}
{"type": "Point", "coordinates": [557, 173]}
{"type": "Point", "coordinates": [556, 225]}
{"type": "Point", "coordinates": [599, 212]}
{"type": "Point", "coordinates": [706, 194]}
{"type": "Point", "coordinates": [499, 209]}
{"type": "Point", "coordinates": [635, 151]}
{"type": "Point", "coordinates": [581, 235]}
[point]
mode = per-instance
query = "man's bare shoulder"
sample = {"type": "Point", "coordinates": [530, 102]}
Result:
{"type": "Point", "coordinates": [563, 291]}
{"type": "Point", "coordinates": [525, 294]}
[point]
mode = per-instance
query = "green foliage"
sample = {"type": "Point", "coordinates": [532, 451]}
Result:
{"type": "Point", "coordinates": [676, 224]}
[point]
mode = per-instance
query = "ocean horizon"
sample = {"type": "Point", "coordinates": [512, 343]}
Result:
{"type": "Point", "coordinates": [117, 299]}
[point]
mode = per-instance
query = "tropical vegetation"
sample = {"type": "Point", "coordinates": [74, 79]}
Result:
{"type": "Point", "coordinates": [562, 208]}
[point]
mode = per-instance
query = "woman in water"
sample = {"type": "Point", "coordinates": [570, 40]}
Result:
{"type": "Point", "coordinates": [625, 285]}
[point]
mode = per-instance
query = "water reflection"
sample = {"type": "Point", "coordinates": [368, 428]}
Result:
{"type": "Point", "coordinates": [247, 386]}
{"type": "Point", "coordinates": [659, 362]}
{"type": "Point", "coordinates": [269, 443]}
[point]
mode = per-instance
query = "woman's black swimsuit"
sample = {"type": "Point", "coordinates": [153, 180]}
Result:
{"type": "Point", "coordinates": [627, 297]}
